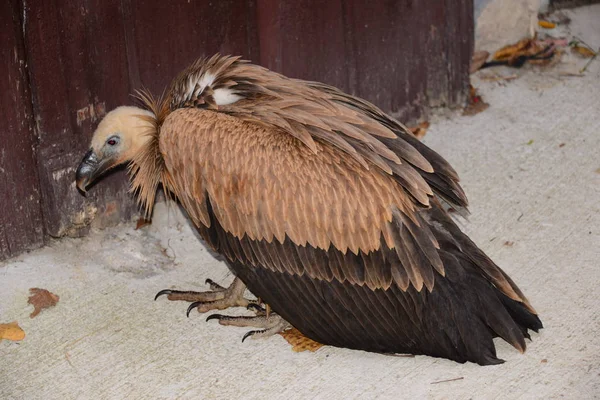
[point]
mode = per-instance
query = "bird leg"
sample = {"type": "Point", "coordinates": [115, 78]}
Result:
{"type": "Point", "coordinates": [268, 323]}
{"type": "Point", "coordinates": [218, 298]}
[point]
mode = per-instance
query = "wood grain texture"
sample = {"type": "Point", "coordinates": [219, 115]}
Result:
{"type": "Point", "coordinates": [78, 71]}
{"type": "Point", "coordinates": [186, 31]}
{"type": "Point", "coordinates": [414, 57]}
{"type": "Point", "coordinates": [21, 224]}
{"type": "Point", "coordinates": [304, 39]}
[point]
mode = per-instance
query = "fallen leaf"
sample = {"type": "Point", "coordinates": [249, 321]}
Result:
{"type": "Point", "coordinates": [546, 24]}
{"type": "Point", "coordinates": [544, 361]}
{"type": "Point", "coordinates": [41, 299]}
{"type": "Point", "coordinates": [420, 130]}
{"type": "Point", "coordinates": [475, 103]}
{"type": "Point", "coordinates": [583, 51]}
{"type": "Point", "coordinates": [300, 342]}
{"type": "Point", "coordinates": [142, 222]}
{"type": "Point", "coordinates": [561, 145]}
{"type": "Point", "coordinates": [535, 51]}
{"type": "Point", "coordinates": [509, 51]}
{"type": "Point", "coordinates": [11, 331]}
{"type": "Point", "coordinates": [530, 142]}
{"type": "Point", "coordinates": [508, 243]}
{"type": "Point", "coordinates": [479, 58]}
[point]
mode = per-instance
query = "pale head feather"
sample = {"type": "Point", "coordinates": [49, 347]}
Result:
{"type": "Point", "coordinates": [137, 129]}
{"type": "Point", "coordinates": [132, 125]}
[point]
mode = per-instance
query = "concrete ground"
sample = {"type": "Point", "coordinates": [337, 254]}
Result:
{"type": "Point", "coordinates": [530, 165]}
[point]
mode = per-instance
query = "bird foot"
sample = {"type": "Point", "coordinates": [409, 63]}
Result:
{"type": "Point", "coordinates": [269, 324]}
{"type": "Point", "coordinates": [218, 298]}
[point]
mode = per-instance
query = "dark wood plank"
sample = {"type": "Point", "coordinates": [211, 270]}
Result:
{"type": "Point", "coordinates": [21, 225]}
{"type": "Point", "coordinates": [405, 58]}
{"type": "Point", "coordinates": [78, 69]}
{"type": "Point", "coordinates": [162, 46]}
{"type": "Point", "coordinates": [304, 39]}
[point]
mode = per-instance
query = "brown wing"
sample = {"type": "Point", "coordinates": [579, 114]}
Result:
{"type": "Point", "coordinates": [266, 185]}
{"type": "Point", "coordinates": [328, 209]}
{"type": "Point", "coordinates": [305, 160]}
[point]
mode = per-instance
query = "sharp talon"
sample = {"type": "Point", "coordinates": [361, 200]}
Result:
{"type": "Point", "coordinates": [208, 281]}
{"type": "Point", "coordinates": [247, 335]}
{"type": "Point", "coordinates": [191, 307]}
{"type": "Point", "coordinates": [166, 291]}
{"type": "Point", "coordinates": [213, 316]}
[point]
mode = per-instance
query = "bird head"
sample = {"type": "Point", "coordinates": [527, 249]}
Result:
{"type": "Point", "coordinates": [120, 135]}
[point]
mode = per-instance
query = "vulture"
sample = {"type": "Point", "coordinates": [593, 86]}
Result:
{"type": "Point", "coordinates": [324, 207]}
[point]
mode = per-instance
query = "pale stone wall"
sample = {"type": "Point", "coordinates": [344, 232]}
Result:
{"type": "Point", "coordinates": [501, 22]}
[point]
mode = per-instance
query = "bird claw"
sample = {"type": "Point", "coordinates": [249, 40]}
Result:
{"type": "Point", "coordinates": [192, 306]}
{"type": "Point", "coordinates": [213, 285]}
{"type": "Point", "coordinates": [214, 316]}
{"type": "Point", "coordinates": [269, 325]}
{"type": "Point", "coordinates": [248, 334]}
{"type": "Point", "coordinates": [218, 298]}
{"type": "Point", "coordinates": [162, 292]}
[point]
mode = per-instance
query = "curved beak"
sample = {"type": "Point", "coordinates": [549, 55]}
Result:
{"type": "Point", "coordinates": [89, 169]}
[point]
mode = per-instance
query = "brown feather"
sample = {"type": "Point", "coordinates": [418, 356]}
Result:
{"type": "Point", "coordinates": [304, 163]}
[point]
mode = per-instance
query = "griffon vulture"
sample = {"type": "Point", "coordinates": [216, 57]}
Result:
{"type": "Point", "coordinates": [326, 208]}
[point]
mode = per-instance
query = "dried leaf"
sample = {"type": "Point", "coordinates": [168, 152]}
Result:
{"type": "Point", "coordinates": [530, 142]}
{"type": "Point", "coordinates": [142, 222]}
{"type": "Point", "coordinates": [511, 50]}
{"type": "Point", "coordinates": [583, 51]}
{"type": "Point", "coordinates": [475, 104]}
{"type": "Point", "coordinates": [508, 243]}
{"type": "Point", "coordinates": [535, 51]}
{"type": "Point", "coordinates": [300, 342]}
{"type": "Point", "coordinates": [546, 24]}
{"type": "Point", "coordinates": [11, 331]}
{"type": "Point", "coordinates": [420, 130]}
{"type": "Point", "coordinates": [41, 299]}
{"type": "Point", "coordinates": [479, 58]}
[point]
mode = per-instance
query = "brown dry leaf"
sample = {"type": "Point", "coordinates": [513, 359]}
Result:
{"type": "Point", "coordinates": [583, 51]}
{"type": "Point", "coordinates": [40, 299]}
{"type": "Point", "coordinates": [539, 52]}
{"type": "Point", "coordinates": [420, 130]}
{"type": "Point", "coordinates": [475, 104]}
{"type": "Point", "coordinates": [300, 342]}
{"type": "Point", "coordinates": [11, 331]}
{"type": "Point", "coordinates": [511, 50]}
{"type": "Point", "coordinates": [479, 58]}
{"type": "Point", "coordinates": [549, 58]}
{"type": "Point", "coordinates": [142, 222]}
{"type": "Point", "coordinates": [546, 24]}
{"type": "Point", "coordinates": [508, 243]}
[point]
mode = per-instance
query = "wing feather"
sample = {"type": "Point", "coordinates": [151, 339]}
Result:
{"type": "Point", "coordinates": [304, 166]}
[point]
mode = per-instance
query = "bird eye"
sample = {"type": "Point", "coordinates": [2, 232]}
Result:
{"type": "Point", "coordinates": [112, 141]}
